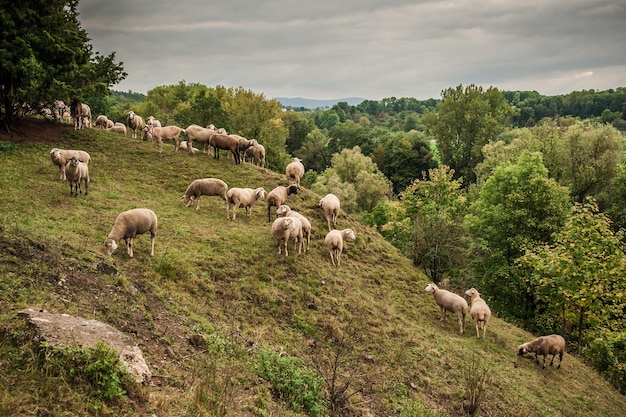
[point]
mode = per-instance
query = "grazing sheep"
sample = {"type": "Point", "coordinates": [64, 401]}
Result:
{"type": "Point", "coordinates": [120, 129]}
{"type": "Point", "coordinates": [256, 153]}
{"type": "Point", "coordinates": [295, 171]}
{"type": "Point", "coordinates": [128, 225]}
{"type": "Point", "coordinates": [164, 133]}
{"type": "Point", "coordinates": [449, 301]}
{"type": "Point", "coordinates": [286, 229]}
{"type": "Point", "coordinates": [77, 171]}
{"type": "Point", "coordinates": [135, 124]}
{"type": "Point", "coordinates": [204, 186]}
{"type": "Point", "coordinates": [245, 197]}
{"type": "Point", "coordinates": [199, 134]}
{"type": "Point", "coordinates": [334, 243]}
{"type": "Point", "coordinates": [110, 124]}
{"type": "Point", "coordinates": [278, 196]}
{"type": "Point", "coordinates": [60, 157]}
{"type": "Point", "coordinates": [479, 311]}
{"type": "Point", "coordinates": [226, 142]}
{"type": "Point", "coordinates": [330, 205]}
{"type": "Point", "coordinates": [183, 146]}
{"type": "Point", "coordinates": [101, 121]}
{"type": "Point", "coordinates": [306, 224]}
{"type": "Point", "coordinates": [545, 345]}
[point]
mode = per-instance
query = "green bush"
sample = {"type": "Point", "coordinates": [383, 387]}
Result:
{"type": "Point", "coordinates": [292, 382]}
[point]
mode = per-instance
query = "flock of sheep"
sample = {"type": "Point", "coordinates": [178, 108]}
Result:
{"type": "Point", "coordinates": [289, 225]}
{"type": "Point", "coordinates": [448, 301]}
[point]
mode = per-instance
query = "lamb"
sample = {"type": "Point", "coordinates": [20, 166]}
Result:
{"type": "Point", "coordinates": [330, 205]}
{"type": "Point", "coordinates": [545, 345]}
{"type": "Point", "coordinates": [199, 134]}
{"type": "Point", "coordinates": [77, 171]}
{"type": "Point", "coordinates": [257, 154]}
{"type": "Point", "coordinates": [479, 311]}
{"type": "Point", "coordinates": [60, 157]}
{"type": "Point", "coordinates": [286, 229]}
{"type": "Point", "coordinates": [183, 146]}
{"type": "Point", "coordinates": [120, 129]}
{"type": "Point", "coordinates": [245, 197]}
{"type": "Point", "coordinates": [295, 171]}
{"type": "Point", "coordinates": [135, 123]}
{"type": "Point", "coordinates": [278, 196]}
{"type": "Point", "coordinates": [306, 224]}
{"type": "Point", "coordinates": [128, 224]}
{"type": "Point", "coordinates": [164, 133]}
{"type": "Point", "coordinates": [449, 301]}
{"type": "Point", "coordinates": [204, 186]}
{"type": "Point", "coordinates": [334, 243]}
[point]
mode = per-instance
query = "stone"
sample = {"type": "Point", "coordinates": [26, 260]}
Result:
{"type": "Point", "coordinates": [64, 330]}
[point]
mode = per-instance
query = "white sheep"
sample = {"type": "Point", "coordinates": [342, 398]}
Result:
{"type": "Point", "coordinates": [256, 153]}
{"type": "Point", "coordinates": [306, 224]}
{"type": "Point", "coordinates": [545, 345]}
{"type": "Point", "coordinates": [128, 225]}
{"type": "Point", "coordinates": [330, 205]}
{"type": "Point", "coordinates": [199, 134]}
{"type": "Point", "coordinates": [77, 171]}
{"type": "Point", "coordinates": [101, 121]}
{"type": "Point", "coordinates": [334, 243]}
{"type": "Point", "coordinates": [60, 157]}
{"type": "Point", "coordinates": [110, 124]}
{"type": "Point", "coordinates": [479, 310]}
{"type": "Point", "coordinates": [135, 124]}
{"type": "Point", "coordinates": [164, 133]}
{"type": "Point", "coordinates": [152, 121]}
{"type": "Point", "coordinates": [449, 301]}
{"type": "Point", "coordinates": [295, 171]}
{"type": "Point", "coordinates": [285, 229]}
{"type": "Point", "coordinates": [183, 146]}
{"type": "Point", "coordinates": [205, 186]}
{"type": "Point", "coordinates": [245, 197]}
{"type": "Point", "coordinates": [120, 129]}
{"type": "Point", "coordinates": [278, 196]}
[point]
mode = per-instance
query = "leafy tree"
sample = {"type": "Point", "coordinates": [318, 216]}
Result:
{"type": "Point", "coordinates": [46, 55]}
{"type": "Point", "coordinates": [518, 207]}
{"type": "Point", "coordinates": [299, 127]}
{"type": "Point", "coordinates": [348, 135]}
{"type": "Point", "coordinates": [326, 119]}
{"type": "Point", "coordinates": [466, 120]}
{"type": "Point", "coordinates": [314, 152]}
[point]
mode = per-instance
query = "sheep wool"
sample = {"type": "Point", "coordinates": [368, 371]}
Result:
{"type": "Point", "coordinates": [286, 211]}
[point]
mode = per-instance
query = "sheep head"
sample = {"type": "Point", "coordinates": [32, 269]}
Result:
{"type": "Point", "coordinates": [431, 288]}
{"type": "Point", "coordinates": [109, 246]}
{"type": "Point", "coordinates": [471, 292]}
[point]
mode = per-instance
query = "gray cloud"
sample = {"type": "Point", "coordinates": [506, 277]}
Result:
{"type": "Point", "coordinates": [366, 48]}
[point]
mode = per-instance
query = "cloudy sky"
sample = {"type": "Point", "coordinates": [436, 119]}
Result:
{"type": "Point", "coordinates": [374, 49]}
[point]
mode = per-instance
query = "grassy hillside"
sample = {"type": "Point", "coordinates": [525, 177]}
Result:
{"type": "Point", "coordinates": [367, 328]}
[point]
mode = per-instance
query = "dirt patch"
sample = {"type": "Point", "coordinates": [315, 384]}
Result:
{"type": "Point", "coordinates": [34, 130]}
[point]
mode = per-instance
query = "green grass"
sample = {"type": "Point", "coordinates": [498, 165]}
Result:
{"type": "Point", "coordinates": [369, 322]}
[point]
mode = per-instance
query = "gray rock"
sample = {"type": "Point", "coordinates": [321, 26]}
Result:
{"type": "Point", "coordinates": [63, 330]}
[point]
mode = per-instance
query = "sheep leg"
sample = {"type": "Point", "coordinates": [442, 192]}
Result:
{"type": "Point", "coordinates": [461, 324]}
{"type": "Point", "coordinates": [129, 246]}
{"type": "Point", "coordinates": [86, 187]}
{"type": "Point", "coordinates": [442, 315]}
{"type": "Point", "coordinates": [249, 211]}
{"type": "Point", "coordinates": [286, 242]}
{"type": "Point", "coordinates": [332, 259]}
{"type": "Point", "coordinates": [235, 210]}
{"type": "Point", "coordinates": [153, 238]}
{"type": "Point", "coordinates": [477, 329]}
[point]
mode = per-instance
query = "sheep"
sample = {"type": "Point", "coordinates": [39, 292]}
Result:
{"type": "Point", "coordinates": [278, 196]}
{"type": "Point", "coordinates": [152, 121]}
{"type": "Point", "coordinates": [286, 229]}
{"type": "Point", "coordinates": [164, 133]}
{"type": "Point", "coordinates": [128, 224]}
{"type": "Point", "coordinates": [120, 129]}
{"type": "Point", "coordinates": [479, 311]}
{"type": "Point", "coordinates": [135, 124]}
{"type": "Point", "coordinates": [199, 134]}
{"type": "Point", "coordinates": [80, 112]}
{"type": "Point", "coordinates": [295, 170]}
{"type": "Point", "coordinates": [334, 243]}
{"type": "Point", "coordinates": [60, 157]}
{"type": "Point", "coordinates": [101, 121]}
{"type": "Point", "coordinates": [227, 142]}
{"type": "Point", "coordinates": [449, 301]}
{"type": "Point", "coordinates": [110, 124]}
{"type": "Point", "coordinates": [545, 345]}
{"type": "Point", "coordinates": [59, 110]}
{"type": "Point", "coordinates": [204, 186]}
{"type": "Point", "coordinates": [77, 171]}
{"type": "Point", "coordinates": [245, 197]}
{"type": "Point", "coordinates": [306, 224]}
{"type": "Point", "coordinates": [244, 144]}
{"type": "Point", "coordinates": [330, 205]}
{"type": "Point", "coordinates": [183, 146]}
{"type": "Point", "coordinates": [257, 154]}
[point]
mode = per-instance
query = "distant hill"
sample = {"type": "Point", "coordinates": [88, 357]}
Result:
{"type": "Point", "coordinates": [308, 103]}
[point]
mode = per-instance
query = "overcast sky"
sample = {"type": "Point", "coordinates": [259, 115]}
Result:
{"type": "Point", "coordinates": [372, 49]}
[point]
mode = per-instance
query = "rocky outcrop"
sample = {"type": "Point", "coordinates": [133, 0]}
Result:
{"type": "Point", "coordinates": [64, 330]}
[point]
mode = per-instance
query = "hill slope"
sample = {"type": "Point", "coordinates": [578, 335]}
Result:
{"type": "Point", "coordinates": [368, 323]}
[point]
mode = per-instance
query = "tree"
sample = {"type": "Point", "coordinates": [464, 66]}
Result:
{"type": "Point", "coordinates": [517, 207]}
{"type": "Point", "coordinates": [46, 55]}
{"type": "Point", "coordinates": [465, 121]}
